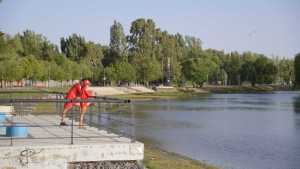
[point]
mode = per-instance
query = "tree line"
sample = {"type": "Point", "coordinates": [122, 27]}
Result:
{"type": "Point", "coordinates": [147, 55]}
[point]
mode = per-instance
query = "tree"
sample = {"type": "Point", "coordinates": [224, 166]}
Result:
{"type": "Point", "coordinates": [33, 69]}
{"type": "Point", "coordinates": [93, 59]}
{"type": "Point", "coordinates": [215, 74]}
{"type": "Point", "coordinates": [49, 51]}
{"type": "Point", "coordinates": [117, 45]}
{"type": "Point", "coordinates": [232, 64]}
{"type": "Point", "coordinates": [93, 54]}
{"type": "Point", "coordinates": [265, 70]}
{"type": "Point", "coordinates": [125, 72]}
{"type": "Point", "coordinates": [270, 72]}
{"type": "Point", "coordinates": [151, 71]}
{"type": "Point", "coordinates": [56, 72]}
{"type": "Point", "coordinates": [60, 59]}
{"type": "Point", "coordinates": [193, 46]}
{"type": "Point", "coordinates": [249, 56]}
{"type": "Point", "coordinates": [297, 69]}
{"type": "Point", "coordinates": [76, 72]}
{"type": "Point", "coordinates": [198, 69]}
{"type": "Point", "coordinates": [32, 43]}
{"type": "Point", "coordinates": [68, 67]}
{"type": "Point", "coordinates": [142, 50]}
{"type": "Point", "coordinates": [14, 45]}
{"type": "Point", "coordinates": [166, 53]}
{"type": "Point", "coordinates": [110, 74]}
{"type": "Point", "coordinates": [147, 55]}
{"type": "Point", "coordinates": [147, 69]}
{"type": "Point", "coordinates": [85, 71]}
{"type": "Point", "coordinates": [248, 72]}
{"type": "Point", "coordinates": [10, 47]}
{"type": "Point", "coordinates": [2, 41]}
{"type": "Point", "coordinates": [10, 70]}
{"type": "Point", "coordinates": [74, 47]}
{"type": "Point", "coordinates": [286, 71]}
{"type": "Point", "coordinates": [142, 38]}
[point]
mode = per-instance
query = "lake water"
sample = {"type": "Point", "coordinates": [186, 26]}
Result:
{"type": "Point", "coordinates": [233, 131]}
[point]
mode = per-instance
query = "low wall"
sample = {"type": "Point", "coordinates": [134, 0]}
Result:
{"type": "Point", "coordinates": [60, 156]}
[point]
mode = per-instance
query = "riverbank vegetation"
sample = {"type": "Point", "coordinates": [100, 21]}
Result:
{"type": "Point", "coordinates": [147, 55]}
{"type": "Point", "coordinates": [156, 158]}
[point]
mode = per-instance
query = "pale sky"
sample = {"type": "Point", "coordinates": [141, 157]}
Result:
{"type": "Point", "coordinates": [271, 27]}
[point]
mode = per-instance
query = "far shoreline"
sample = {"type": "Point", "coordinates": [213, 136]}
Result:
{"type": "Point", "coordinates": [183, 92]}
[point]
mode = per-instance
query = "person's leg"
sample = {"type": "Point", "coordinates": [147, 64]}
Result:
{"type": "Point", "coordinates": [67, 107]}
{"type": "Point", "coordinates": [82, 112]}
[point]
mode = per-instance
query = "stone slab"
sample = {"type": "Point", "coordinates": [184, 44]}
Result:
{"type": "Point", "coordinates": [90, 144]}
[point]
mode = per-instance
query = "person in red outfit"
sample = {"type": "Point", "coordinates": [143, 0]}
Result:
{"type": "Point", "coordinates": [85, 94]}
{"type": "Point", "coordinates": [72, 94]}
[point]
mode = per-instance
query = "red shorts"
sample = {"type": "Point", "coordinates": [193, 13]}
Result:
{"type": "Point", "coordinates": [69, 105]}
{"type": "Point", "coordinates": [85, 104]}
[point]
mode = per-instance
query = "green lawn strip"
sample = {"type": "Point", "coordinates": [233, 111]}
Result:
{"type": "Point", "coordinates": [239, 89]}
{"type": "Point", "coordinates": [156, 158]}
{"type": "Point", "coordinates": [156, 95]}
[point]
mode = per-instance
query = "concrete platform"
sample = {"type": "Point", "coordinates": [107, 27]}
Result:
{"type": "Point", "coordinates": [50, 147]}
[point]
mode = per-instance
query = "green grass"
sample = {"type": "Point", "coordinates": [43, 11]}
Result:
{"type": "Point", "coordinates": [189, 91]}
{"type": "Point", "coordinates": [239, 89]}
{"type": "Point", "coordinates": [156, 95]}
{"type": "Point", "coordinates": [159, 159]}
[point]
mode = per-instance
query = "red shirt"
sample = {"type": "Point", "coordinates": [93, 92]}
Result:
{"type": "Point", "coordinates": [74, 91]}
{"type": "Point", "coordinates": [85, 94]}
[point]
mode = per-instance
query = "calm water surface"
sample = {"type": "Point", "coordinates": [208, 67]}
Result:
{"type": "Point", "coordinates": [233, 131]}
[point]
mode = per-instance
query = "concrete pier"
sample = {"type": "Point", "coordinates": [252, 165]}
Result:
{"type": "Point", "coordinates": [49, 146]}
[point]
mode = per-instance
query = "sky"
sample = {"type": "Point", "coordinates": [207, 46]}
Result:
{"type": "Point", "coordinates": [270, 27]}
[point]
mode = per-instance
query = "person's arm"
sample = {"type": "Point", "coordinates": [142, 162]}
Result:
{"type": "Point", "coordinates": [87, 93]}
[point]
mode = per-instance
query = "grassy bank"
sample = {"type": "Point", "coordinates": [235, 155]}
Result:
{"type": "Point", "coordinates": [156, 95]}
{"type": "Point", "coordinates": [239, 89]}
{"type": "Point", "coordinates": [159, 159]}
{"type": "Point", "coordinates": [190, 92]}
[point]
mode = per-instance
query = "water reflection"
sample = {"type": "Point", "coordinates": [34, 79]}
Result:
{"type": "Point", "coordinates": [296, 104]}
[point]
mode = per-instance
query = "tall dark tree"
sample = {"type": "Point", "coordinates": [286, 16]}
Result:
{"type": "Point", "coordinates": [193, 45]}
{"type": "Point", "coordinates": [74, 47]}
{"type": "Point", "coordinates": [265, 70]}
{"type": "Point", "coordinates": [2, 41]}
{"type": "Point", "coordinates": [232, 64]}
{"type": "Point", "coordinates": [142, 38]}
{"type": "Point", "coordinates": [166, 54]}
{"type": "Point", "coordinates": [248, 72]}
{"type": "Point", "coordinates": [286, 71]}
{"type": "Point", "coordinates": [117, 45]}
{"type": "Point", "coordinates": [32, 43]}
{"type": "Point", "coordinates": [297, 69]}
{"type": "Point", "coordinates": [49, 51]}
{"type": "Point", "coordinates": [142, 50]}
{"type": "Point", "coordinates": [93, 59]}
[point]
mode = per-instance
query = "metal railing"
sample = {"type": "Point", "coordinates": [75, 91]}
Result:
{"type": "Point", "coordinates": [23, 107]}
